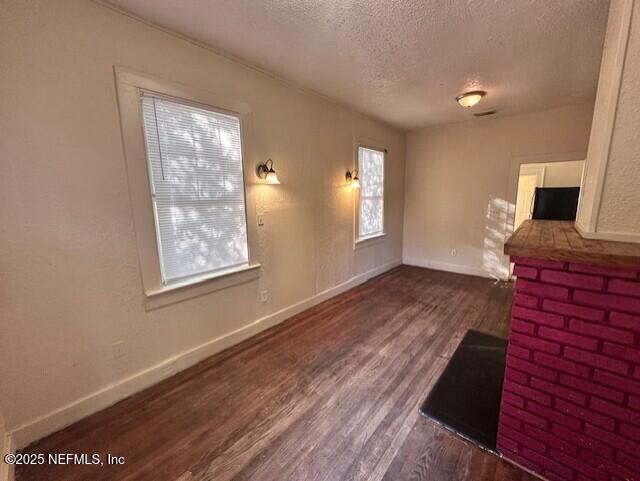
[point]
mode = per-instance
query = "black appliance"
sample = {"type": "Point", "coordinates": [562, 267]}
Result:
{"type": "Point", "coordinates": [555, 203]}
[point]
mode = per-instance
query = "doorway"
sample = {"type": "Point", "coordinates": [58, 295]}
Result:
{"type": "Point", "coordinates": [548, 174]}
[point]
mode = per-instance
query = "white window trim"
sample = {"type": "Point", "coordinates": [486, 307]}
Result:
{"type": "Point", "coordinates": [370, 239]}
{"type": "Point", "coordinates": [366, 241]}
{"type": "Point", "coordinates": [156, 293]}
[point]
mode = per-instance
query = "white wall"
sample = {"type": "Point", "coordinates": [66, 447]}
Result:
{"type": "Point", "coordinates": [557, 174]}
{"type": "Point", "coordinates": [610, 201]}
{"type": "Point", "coordinates": [4, 448]}
{"type": "Point", "coordinates": [461, 182]}
{"type": "Point", "coordinates": [620, 207]}
{"type": "Point", "coordinates": [562, 174]}
{"type": "Point", "coordinates": [71, 284]}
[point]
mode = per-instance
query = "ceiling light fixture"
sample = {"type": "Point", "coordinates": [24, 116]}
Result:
{"type": "Point", "coordinates": [469, 99]}
{"type": "Point", "coordinates": [265, 171]}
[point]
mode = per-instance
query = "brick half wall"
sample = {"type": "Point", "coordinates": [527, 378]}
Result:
{"type": "Point", "coordinates": [571, 399]}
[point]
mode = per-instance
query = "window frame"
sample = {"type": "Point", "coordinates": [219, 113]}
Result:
{"type": "Point", "coordinates": [130, 85]}
{"type": "Point", "coordinates": [380, 236]}
{"type": "Point", "coordinates": [153, 188]}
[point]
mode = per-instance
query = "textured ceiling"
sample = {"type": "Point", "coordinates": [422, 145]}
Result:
{"type": "Point", "coordinates": [404, 61]}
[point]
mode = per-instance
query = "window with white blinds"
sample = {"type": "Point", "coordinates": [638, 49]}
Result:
{"type": "Point", "coordinates": [371, 205]}
{"type": "Point", "coordinates": [195, 165]}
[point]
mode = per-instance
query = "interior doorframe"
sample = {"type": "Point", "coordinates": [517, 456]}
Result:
{"type": "Point", "coordinates": [514, 174]}
{"type": "Point", "coordinates": [539, 170]}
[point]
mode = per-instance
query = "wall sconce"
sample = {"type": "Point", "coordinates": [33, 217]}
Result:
{"type": "Point", "coordinates": [352, 179]}
{"type": "Point", "coordinates": [265, 171]}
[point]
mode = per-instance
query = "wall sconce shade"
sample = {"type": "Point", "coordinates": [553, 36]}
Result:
{"type": "Point", "coordinates": [265, 171]}
{"type": "Point", "coordinates": [352, 179]}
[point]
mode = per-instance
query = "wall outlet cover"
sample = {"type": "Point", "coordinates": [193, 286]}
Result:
{"type": "Point", "coordinates": [118, 349]}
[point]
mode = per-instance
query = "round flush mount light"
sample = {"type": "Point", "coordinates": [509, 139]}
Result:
{"type": "Point", "coordinates": [469, 99]}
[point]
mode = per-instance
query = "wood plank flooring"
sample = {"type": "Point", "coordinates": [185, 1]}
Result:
{"type": "Point", "coordinates": [330, 395]}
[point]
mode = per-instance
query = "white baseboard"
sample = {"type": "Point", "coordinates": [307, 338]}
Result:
{"type": "Point", "coordinates": [610, 236]}
{"type": "Point", "coordinates": [7, 470]}
{"type": "Point", "coordinates": [81, 408]}
{"type": "Point", "coordinates": [447, 267]}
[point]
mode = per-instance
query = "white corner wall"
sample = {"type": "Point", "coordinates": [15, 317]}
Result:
{"type": "Point", "coordinates": [620, 207]}
{"type": "Point", "coordinates": [6, 470]}
{"type": "Point", "coordinates": [610, 201]}
{"type": "Point", "coordinates": [461, 183]}
{"type": "Point", "coordinates": [71, 284]}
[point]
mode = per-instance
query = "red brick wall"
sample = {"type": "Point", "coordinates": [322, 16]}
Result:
{"type": "Point", "coordinates": [571, 400]}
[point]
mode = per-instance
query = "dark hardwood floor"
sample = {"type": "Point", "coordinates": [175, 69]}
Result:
{"type": "Point", "coordinates": [330, 395]}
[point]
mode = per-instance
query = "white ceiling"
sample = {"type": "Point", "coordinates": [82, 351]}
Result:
{"type": "Point", "coordinates": [404, 61]}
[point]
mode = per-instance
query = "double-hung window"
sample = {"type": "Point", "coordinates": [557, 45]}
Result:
{"type": "Point", "coordinates": [194, 156]}
{"type": "Point", "coordinates": [371, 203]}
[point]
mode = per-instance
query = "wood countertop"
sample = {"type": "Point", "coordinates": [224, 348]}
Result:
{"type": "Point", "coordinates": [559, 240]}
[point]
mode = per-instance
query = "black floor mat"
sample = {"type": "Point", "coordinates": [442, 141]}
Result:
{"type": "Point", "coordinates": [466, 398]}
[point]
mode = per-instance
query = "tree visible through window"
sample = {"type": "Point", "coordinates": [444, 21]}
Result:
{"type": "Point", "coordinates": [195, 165]}
{"type": "Point", "coordinates": [371, 205]}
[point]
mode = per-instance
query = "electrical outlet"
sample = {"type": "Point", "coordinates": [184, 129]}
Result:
{"type": "Point", "coordinates": [264, 296]}
{"type": "Point", "coordinates": [118, 349]}
{"type": "Point", "coordinates": [454, 252]}
{"type": "Point", "coordinates": [260, 220]}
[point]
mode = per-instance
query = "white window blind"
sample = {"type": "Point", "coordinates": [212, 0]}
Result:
{"type": "Point", "coordinates": [371, 206]}
{"type": "Point", "coordinates": [195, 165]}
